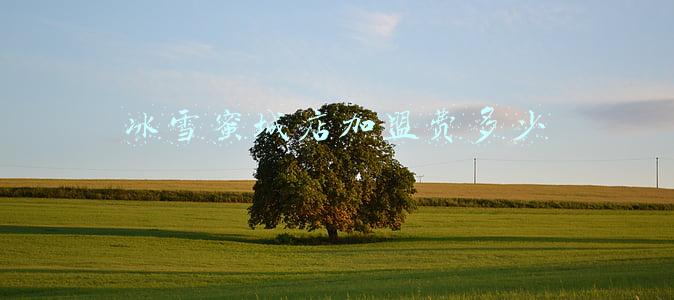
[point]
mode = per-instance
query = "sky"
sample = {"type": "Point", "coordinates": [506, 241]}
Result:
{"type": "Point", "coordinates": [599, 76]}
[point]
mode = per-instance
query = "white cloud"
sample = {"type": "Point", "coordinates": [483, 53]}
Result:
{"type": "Point", "coordinates": [486, 18]}
{"type": "Point", "coordinates": [632, 115]}
{"type": "Point", "coordinates": [185, 87]}
{"type": "Point", "coordinates": [593, 90]}
{"type": "Point", "coordinates": [373, 27]}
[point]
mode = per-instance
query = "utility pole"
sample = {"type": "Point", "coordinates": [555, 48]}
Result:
{"type": "Point", "coordinates": [657, 172]}
{"type": "Point", "coordinates": [474, 170]}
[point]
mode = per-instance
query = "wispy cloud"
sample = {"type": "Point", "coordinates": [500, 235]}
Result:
{"type": "Point", "coordinates": [634, 115]}
{"type": "Point", "coordinates": [372, 27]}
{"type": "Point", "coordinates": [185, 87]}
{"type": "Point", "coordinates": [186, 50]}
{"type": "Point", "coordinates": [488, 18]}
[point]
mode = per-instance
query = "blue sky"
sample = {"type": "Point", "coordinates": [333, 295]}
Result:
{"type": "Point", "coordinates": [601, 73]}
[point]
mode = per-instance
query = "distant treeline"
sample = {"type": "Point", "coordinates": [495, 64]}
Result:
{"type": "Point", "coordinates": [127, 194]}
{"type": "Point", "coordinates": [504, 203]}
{"type": "Point", "coordinates": [247, 197]}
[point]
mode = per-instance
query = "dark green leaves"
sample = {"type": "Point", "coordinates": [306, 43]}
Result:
{"type": "Point", "coordinates": [347, 179]}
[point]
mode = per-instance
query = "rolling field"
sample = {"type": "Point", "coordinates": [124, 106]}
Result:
{"type": "Point", "coordinates": [113, 249]}
{"type": "Point", "coordinates": [520, 192]}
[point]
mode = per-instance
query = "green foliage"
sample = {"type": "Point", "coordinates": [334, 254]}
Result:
{"type": "Point", "coordinates": [348, 183]}
{"type": "Point", "coordinates": [504, 203]}
{"type": "Point", "coordinates": [126, 194]}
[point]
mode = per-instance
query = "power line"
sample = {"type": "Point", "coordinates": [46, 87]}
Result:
{"type": "Point", "coordinates": [474, 160]}
{"type": "Point", "coordinates": [565, 160]}
{"type": "Point", "coordinates": [441, 163]}
{"type": "Point", "coordinates": [536, 160]}
{"type": "Point", "coordinates": [121, 170]}
{"type": "Point", "coordinates": [657, 159]}
{"type": "Point", "coordinates": [413, 166]}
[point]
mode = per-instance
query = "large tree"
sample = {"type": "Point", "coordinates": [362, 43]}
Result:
{"type": "Point", "coordinates": [331, 169]}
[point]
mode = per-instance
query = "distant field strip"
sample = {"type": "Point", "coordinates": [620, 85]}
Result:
{"type": "Point", "coordinates": [429, 194]}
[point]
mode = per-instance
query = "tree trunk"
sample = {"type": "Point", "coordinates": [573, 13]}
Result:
{"type": "Point", "coordinates": [332, 233]}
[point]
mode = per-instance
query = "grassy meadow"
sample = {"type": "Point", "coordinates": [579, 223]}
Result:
{"type": "Point", "coordinates": [114, 249]}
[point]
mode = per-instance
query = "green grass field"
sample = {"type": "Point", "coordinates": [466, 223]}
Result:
{"type": "Point", "coordinates": [114, 249]}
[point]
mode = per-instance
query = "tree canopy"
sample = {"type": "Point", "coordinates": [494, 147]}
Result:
{"type": "Point", "coordinates": [329, 168]}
